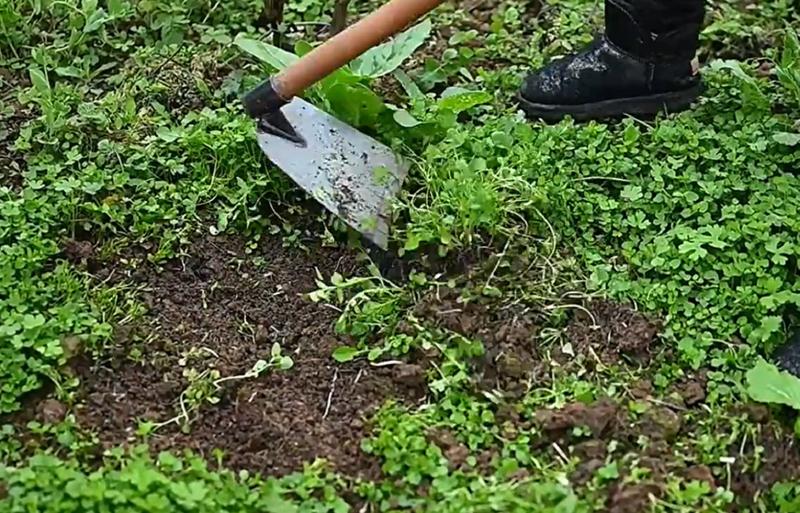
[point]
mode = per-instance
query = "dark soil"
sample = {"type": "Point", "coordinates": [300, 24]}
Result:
{"type": "Point", "coordinates": [586, 430]}
{"type": "Point", "coordinates": [787, 356]}
{"type": "Point", "coordinates": [511, 360]}
{"type": "Point", "coordinates": [78, 252]}
{"type": "Point", "coordinates": [216, 309]}
{"type": "Point", "coordinates": [601, 418]}
{"type": "Point", "coordinates": [612, 333]}
{"type": "Point", "coordinates": [741, 46]}
{"type": "Point", "coordinates": [12, 163]}
{"type": "Point", "coordinates": [187, 81]}
{"type": "Point", "coordinates": [754, 472]}
{"type": "Point", "coordinates": [692, 390]}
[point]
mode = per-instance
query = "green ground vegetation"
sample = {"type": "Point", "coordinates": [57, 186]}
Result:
{"type": "Point", "coordinates": [127, 116]}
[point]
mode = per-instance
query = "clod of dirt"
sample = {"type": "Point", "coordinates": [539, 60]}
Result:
{"type": "Point", "coordinates": [72, 346]}
{"type": "Point", "coordinates": [515, 332]}
{"type": "Point", "coordinates": [692, 392]}
{"type": "Point", "coordinates": [662, 422]}
{"type": "Point", "coordinates": [585, 471]}
{"type": "Point", "coordinates": [443, 438]}
{"type": "Point", "coordinates": [758, 413]}
{"type": "Point", "coordinates": [507, 413]}
{"type": "Point", "coordinates": [509, 337]}
{"type": "Point", "coordinates": [454, 451]}
{"type": "Point", "coordinates": [642, 389]}
{"type": "Point", "coordinates": [78, 251]}
{"type": "Point", "coordinates": [590, 449]}
{"type": "Point", "coordinates": [701, 473]}
{"type": "Point", "coordinates": [485, 460]}
{"type": "Point", "coordinates": [443, 308]}
{"type": "Point", "coordinates": [512, 366]}
{"type": "Point", "coordinates": [457, 455]}
{"type": "Point", "coordinates": [51, 411]}
{"type": "Point", "coordinates": [272, 424]}
{"type": "Point", "coordinates": [632, 498]}
{"type": "Point", "coordinates": [613, 332]}
{"type": "Point", "coordinates": [410, 375]}
{"type": "Point", "coordinates": [262, 334]}
{"type": "Point", "coordinates": [600, 418]}
{"type": "Point", "coordinates": [178, 81]}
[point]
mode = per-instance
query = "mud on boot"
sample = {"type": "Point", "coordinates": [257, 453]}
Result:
{"type": "Point", "coordinates": [643, 64]}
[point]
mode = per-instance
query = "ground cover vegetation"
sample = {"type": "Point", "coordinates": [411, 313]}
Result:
{"type": "Point", "coordinates": [573, 317]}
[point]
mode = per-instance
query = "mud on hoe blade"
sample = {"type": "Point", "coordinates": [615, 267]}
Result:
{"type": "Point", "coordinates": [349, 173]}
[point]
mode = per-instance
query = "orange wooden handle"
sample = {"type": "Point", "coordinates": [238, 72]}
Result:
{"type": "Point", "coordinates": [349, 44]}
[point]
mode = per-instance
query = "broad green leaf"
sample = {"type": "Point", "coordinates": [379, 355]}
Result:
{"type": "Point", "coordinates": [115, 7]}
{"type": "Point", "coordinates": [275, 57]}
{"type": "Point", "coordinates": [767, 384]}
{"type": "Point", "coordinates": [387, 57]}
{"type": "Point", "coordinates": [787, 138]}
{"type": "Point", "coordinates": [302, 47]}
{"type": "Point", "coordinates": [355, 104]}
{"type": "Point", "coordinates": [454, 91]}
{"type": "Point", "coordinates": [39, 81]}
{"type": "Point", "coordinates": [94, 21]}
{"type": "Point", "coordinates": [259, 367]}
{"type": "Point", "coordinates": [788, 70]}
{"type": "Point", "coordinates": [412, 242]}
{"type": "Point", "coordinates": [790, 57]}
{"type": "Point", "coordinates": [404, 119]}
{"type": "Point", "coordinates": [88, 6]}
{"type": "Point", "coordinates": [408, 85]}
{"type": "Point", "coordinates": [32, 321]}
{"type": "Point", "coordinates": [458, 100]}
{"type": "Point", "coordinates": [222, 221]}
{"type": "Point", "coordinates": [69, 71]}
{"type": "Point", "coordinates": [345, 354]}
{"type": "Point", "coordinates": [751, 90]}
{"type": "Point", "coordinates": [167, 134]}
{"type": "Point", "coordinates": [631, 193]}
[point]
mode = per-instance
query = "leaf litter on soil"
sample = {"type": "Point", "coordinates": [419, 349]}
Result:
{"type": "Point", "coordinates": [218, 304]}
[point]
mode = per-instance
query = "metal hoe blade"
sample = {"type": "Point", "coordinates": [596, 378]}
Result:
{"type": "Point", "coordinates": [352, 175]}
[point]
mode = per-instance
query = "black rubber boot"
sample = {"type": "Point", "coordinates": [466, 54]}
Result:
{"type": "Point", "coordinates": [640, 66]}
{"type": "Point", "coordinates": [787, 357]}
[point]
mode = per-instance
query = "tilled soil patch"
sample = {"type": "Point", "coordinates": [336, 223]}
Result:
{"type": "Point", "coordinates": [217, 310]}
{"type": "Point", "coordinates": [755, 471]}
{"type": "Point", "coordinates": [610, 332]}
{"type": "Point", "coordinates": [587, 431]}
{"type": "Point", "coordinates": [511, 359]}
{"type": "Point", "coordinates": [598, 333]}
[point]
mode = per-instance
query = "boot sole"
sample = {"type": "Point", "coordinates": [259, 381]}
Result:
{"type": "Point", "coordinates": [640, 106]}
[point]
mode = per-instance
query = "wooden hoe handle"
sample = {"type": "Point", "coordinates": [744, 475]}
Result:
{"type": "Point", "coordinates": [349, 44]}
{"type": "Point", "coordinates": [264, 102]}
